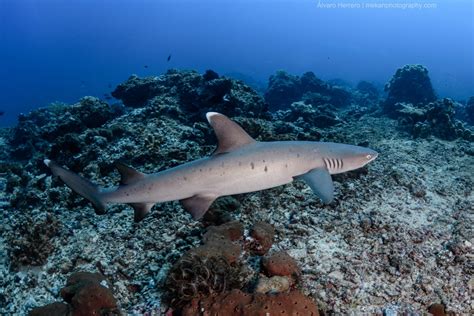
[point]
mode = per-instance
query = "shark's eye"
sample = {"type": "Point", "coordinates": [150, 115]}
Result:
{"type": "Point", "coordinates": [368, 157]}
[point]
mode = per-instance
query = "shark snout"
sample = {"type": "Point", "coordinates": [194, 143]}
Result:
{"type": "Point", "coordinates": [371, 155]}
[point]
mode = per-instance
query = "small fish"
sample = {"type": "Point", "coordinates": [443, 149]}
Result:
{"type": "Point", "coordinates": [146, 66]}
{"type": "Point", "coordinates": [169, 57]}
{"type": "Point", "coordinates": [1, 113]}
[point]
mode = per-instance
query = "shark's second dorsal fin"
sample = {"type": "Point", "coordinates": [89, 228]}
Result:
{"type": "Point", "coordinates": [128, 174]}
{"type": "Point", "coordinates": [229, 134]}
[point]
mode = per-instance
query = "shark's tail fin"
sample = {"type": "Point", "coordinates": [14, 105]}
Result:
{"type": "Point", "coordinates": [80, 185]}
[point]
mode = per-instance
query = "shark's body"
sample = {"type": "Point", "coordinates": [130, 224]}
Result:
{"type": "Point", "coordinates": [239, 165]}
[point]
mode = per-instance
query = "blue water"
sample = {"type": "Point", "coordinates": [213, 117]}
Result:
{"type": "Point", "coordinates": [62, 50]}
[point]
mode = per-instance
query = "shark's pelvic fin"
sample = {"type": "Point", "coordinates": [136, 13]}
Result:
{"type": "Point", "coordinates": [140, 210]}
{"type": "Point", "coordinates": [198, 205]}
{"type": "Point", "coordinates": [128, 174]}
{"type": "Point", "coordinates": [80, 185]}
{"type": "Point", "coordinates": [319, 180]}
{"type": "Point", "coordinates": [229, 134]}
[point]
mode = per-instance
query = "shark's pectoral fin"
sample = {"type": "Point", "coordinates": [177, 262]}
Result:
{"type": "Point", "coordinates": [230, 135]}
{"type": "Point", "coordinates": [319, 180]}
{"type": "Point", "coordinates": [198, 205]}
{"type": "Point", "coordinates": [140, 210]}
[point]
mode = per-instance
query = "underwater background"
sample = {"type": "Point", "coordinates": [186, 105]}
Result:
{"type": "Point", "coordinates": [89, 83]}
{"type": "Point", "coordinates": [63, 50]}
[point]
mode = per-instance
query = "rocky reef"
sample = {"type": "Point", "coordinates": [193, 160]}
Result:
{"type": "Point", "coordinates": [192, 93]}
{"type": "Point", "coordinates": [409, 84]}
{"type": "Point", "coordinates": [217, 279]}
{"type": "Point", "coordinates": [397, 238]}
{"type": "Point", "coordinates": [284, 89]}
{"type": "Point", "coordinates": [412, 101]}
{"type": "Point", "coordinates": [435, 118]}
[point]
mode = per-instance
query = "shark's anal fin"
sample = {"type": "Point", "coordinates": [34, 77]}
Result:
{"type": "Point", "coordinates": [198, 205]}
{"type": "Point", "coordinates": [140, 210]}
{"type": "Point", "coordinates": [319, 180]}
{"type": "Point", "coordinates": [229, 134]}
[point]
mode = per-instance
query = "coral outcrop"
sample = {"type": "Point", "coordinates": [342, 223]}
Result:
{"type": "Point", "coordinates": [369, 89]}
{"type": "Point", "coordinates": [435, 118]}
{"type": "Point", "coordinates": [262, 234]}
{"type": "Point", "coordinates": [409, 84]}
{"type": "Point", "coordinates": [37, 130]}
{"type": "Point", "coordinates": [87, 294]}
{"type": "Point", "coordinates": [205, 282]}
{"type": "Point", "coordinates": [280, 264]}
{"type": "Point", "coordinates": [238, 303]}
{"type": "Point", "coordinates": [196, 94]}
{"type": "Point", "coordinates": [284, 89]}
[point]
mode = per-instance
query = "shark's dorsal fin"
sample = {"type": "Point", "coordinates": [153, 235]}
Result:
{"type": "Point", "coordinates": [128, 174]}
{"type": "Point", "coordinates": [229, 134]}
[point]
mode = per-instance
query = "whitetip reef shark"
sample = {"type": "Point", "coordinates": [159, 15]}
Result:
{"type": "Point", "coordinates": [240, 164]}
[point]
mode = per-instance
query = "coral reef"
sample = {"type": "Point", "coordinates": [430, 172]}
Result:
{"type": "Point", "coordinates": [208, 269]}
{"type": "Point", "coordinates": [38, 129]}
{"type": "Point", "coordinates": [409, 84]}
{"type": "Point", "coordinates": [284, 89]}
{"type": "Point", "coordinates": [238, 303]}
{"type": "Point", "coordinates": [322, 116]}
{"type": "Point", "coordinates": [280, 264]}
{"type": "Point", "coordinates": [435, 118]}
{"type": "Point", "coordinates": [197, 276]}
{"type": "Point", "coordinates": [369, 89]}
{"type": "Point", "coordinates": [203, 282]}
{"type": "Point", "coordinates": [195, 93]}
{"type": "Point", "coordinates": [262, 234]}
{"type": "Point", "coordinates": [465, 112]}
{"type": "Point", "coordinates": [31, 244]}
{"type": "Point", "coordinates": [86, 293]}
{"type": "Point", "coordinates": [396, 239]}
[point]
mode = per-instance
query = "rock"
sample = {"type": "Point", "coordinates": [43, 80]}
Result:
{"type": "Point", "coordinates": [238, 303]}
{"type": "Point", "coordinates": [410, 84]}
{"type": "Point", "coordinates": [369, 89]}
{"type": "Point", "coordinates": [87, 296]}
{"type": "Point", "coordinates": [196, 94]}
{"type": "Point", "coordinates": [54, 309]}
{"type": "Point", "coordinates": [280, 263]}
{"type": "Point", "coordinates": [263, 234]}
{"type": "Point", "coordinates": [437, 310]}
{"type": "Point", "coordinates": [285, 89]}
{"type": "Point", "coordinates": [135, 92]}
{"type": "Point", "coordinates": [435, 118]}
{"type": "Point", "coordinates": [275, 284]}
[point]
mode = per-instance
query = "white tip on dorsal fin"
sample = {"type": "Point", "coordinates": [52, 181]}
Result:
{"type": "Point", "coordinates": [229, 134]}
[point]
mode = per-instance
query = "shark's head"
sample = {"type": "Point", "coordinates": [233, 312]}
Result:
{"type": "Point", "coordinates": [344, 158]}
{"type": "Point", "coordinates": [360, 157]}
